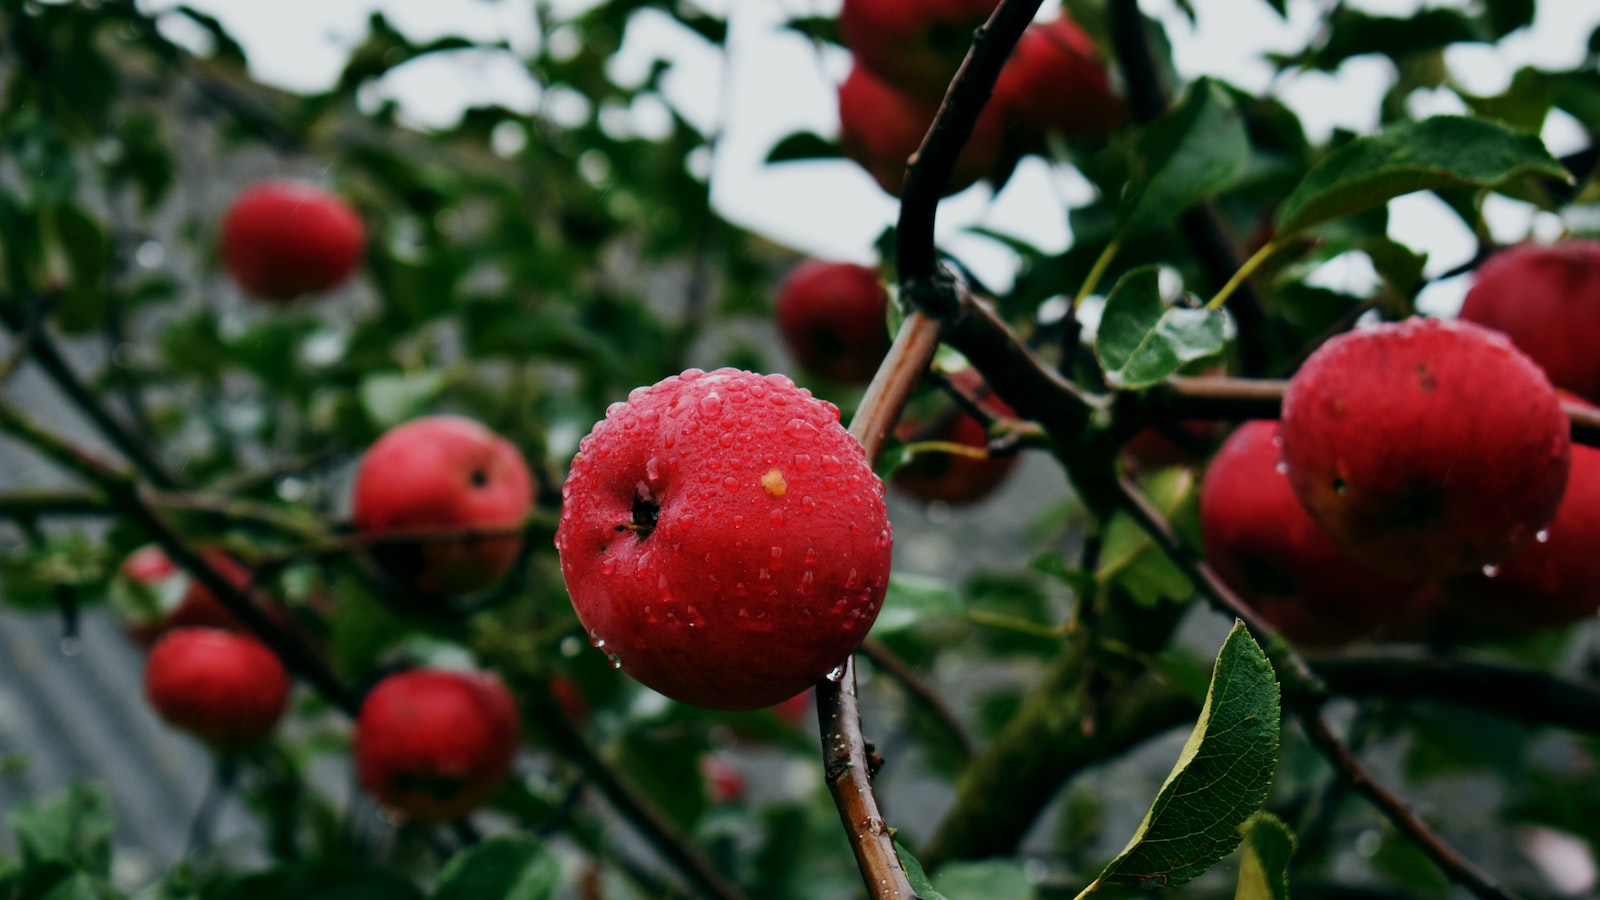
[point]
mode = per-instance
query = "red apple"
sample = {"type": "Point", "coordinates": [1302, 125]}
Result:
{"type": "Point", "coordinates": [283, 239]}
{"type": "Point", "coordinates": [173, 600]}
{"type": "Point", "coordinates": [1426, 448]}
{"type": "Point", "coordinates": [1552, 580]}
{"type": "Point", "coordinates": [723, 538]}
{"type": "Point", "coordinates": [224, 687]}
{"type": "Point", "coordinates": [950, 477]}
{"type": "Point", "coordinates": [833, 317]}
{"type": "Point", "coordinates": [442, 474]}
{"type": "Point", "coordinates": [1262, 544]}
{"type": "Point", "coordinates": [915, 44]}
{"type": "Point", "coordinates": [1056, 81]}
{"type": "Point", "coordinates": [881, 126]}
{"type": "Point", "coordinates": [1546, 298]}
{"type": "Point", "coordinates": [434, 745]}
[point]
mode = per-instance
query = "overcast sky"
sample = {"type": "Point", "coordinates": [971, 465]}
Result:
{"type": "Point", "coordinates": [774, 82]}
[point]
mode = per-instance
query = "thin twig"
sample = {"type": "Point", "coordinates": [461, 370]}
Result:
{"type": "Point", "coordinates": [49, 357]}
{"type": "Point", "coordinates": [919, 691]}
{"type": "Point", "coordinates": [1304, 694]}
{"type": "Point", "coordinates": [125, 494]}
{"type": "Point", "coordinates": [1524, 695]}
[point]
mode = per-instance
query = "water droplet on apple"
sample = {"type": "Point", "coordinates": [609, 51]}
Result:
{"type": "Point", "coordinates": [649, 418]}
{"type": "Point", "coordinates": [730, 484]}
{"type": "Point", "coordinates": [668, 440]}
{"type": "Point", "coordinates": [831, 465]}
{"type": "Point", "coordinates": [594, 638]}
{"type": "Point", "coordinates": [615, 660]}
{"type": "Point", "coordinates": [777, 553]}
{"type": "Point", "coordinates": [608, 566]}
{"type": "Point", "coordinates": [811, 556]}
{"type": "Point", "coordinates": [802, 462]}
{"type": "Point", "coordinates": [836, 674]}
{"type": "Point", "coordinates": [739, 590]}
{"type": "Point", "coordinates": [808, 505]}
{"type": "Point", "coordinates": [1282, 467]}
{"type": "Point", "coordinates": [711, 404]}
{"type": "Point", "coordinates": [777, 517]}
{"type": "Point", "coordinates": [738, 521]}
{"type": "Point", "coordinates": [806, 581]}
{"type": "Point", "coordinates": [693, 617]}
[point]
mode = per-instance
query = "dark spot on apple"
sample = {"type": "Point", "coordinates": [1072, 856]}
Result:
{"type": "Point", "coordinates": [479, 478]}
{"type": "Point", "coordinates": [1425, 380]}
{"type": "Point", "coordinates": [1418, 509]}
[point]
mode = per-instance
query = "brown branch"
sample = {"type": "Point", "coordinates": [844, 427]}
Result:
{"type": "Point", "coordinates": [844, 750]}
{"type": "Point", "coordinates": [48, 355]}
{"type": "Point", "coordinates": [1453, 864]}
{"type": "Point", "coordinates": [929, 170]}
{"type": "Point", "coordinates": [1525, 695]}
{"type": "Point", "coordinates": [919, 691]}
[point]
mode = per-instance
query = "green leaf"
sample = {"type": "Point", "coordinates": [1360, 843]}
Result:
{"type": "Point", "coordinates": [502, 868]}
{"type": "Point", "coordinates": [803, 145]}
{"type": "Point", "coordinates": [71, 826]}
{"type": "Point", "coordinates": [1195, 151]}
{"type": "Point", "coordinates": [916, 598]}
{"type": "Point", "coordinates": [1434, 154]}
{"type": "Point", "coordinates": [1264, 867]}
{"type": "Point", "coordinates": [1142, 339]}
{"type": "Point", "coordinates": [390, 398]}
{"type": "Point", "coordinates": [914, 874]}
{"type": "Point", "coordinates": [1220, 779]}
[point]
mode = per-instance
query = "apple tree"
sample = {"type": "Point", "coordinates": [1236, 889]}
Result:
{"type": "Point", "coordinates": [497, 512]}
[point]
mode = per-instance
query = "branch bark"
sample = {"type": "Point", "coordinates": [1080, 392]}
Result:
{"type": "Point", "coordinates": [1524, 695]}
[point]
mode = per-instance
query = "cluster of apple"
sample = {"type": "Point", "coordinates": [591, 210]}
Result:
{"type": "Point", "coordinates": [905, 54]}
{"type": "Point", "coordinates": [1422, 475]}
{"type": "Point", "coordinates": [718, 515]}
{"type": "Point", "coordinates": [430, 743]}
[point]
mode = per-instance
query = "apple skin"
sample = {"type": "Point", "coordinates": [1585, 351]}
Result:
{"type": "Point", "coordinates": [1545, 583]}
{"type": "Point", "coordinates": [948, 477]}
{"type": "Point", "coordinates": [1262, 544]}
{"type": "Point", "coordinates": [832, 316]}
{"type": "Point", "coordinates": [916, 45]}
{"type": "Point", "coordinates": [1546, 298]}
{"type": "Point", "coordinates": [881, 126]}
{"type": "Point", "coordinates": [1056, 81]}
{"type": "Point", "coordinates": [283, 239]}
{"type": "Point", "coordinates": [1426, 448]}
{"type": "Point", "coordinates": [433, 745]}
{"type": "Point", "coordinates": [440, 473]}
{"type": "Point", "coordinates": [198, 607]}
{"type": "Point", "coordinates": [723, 538]}
{"type": "Point", "coordinates": [224, 687]}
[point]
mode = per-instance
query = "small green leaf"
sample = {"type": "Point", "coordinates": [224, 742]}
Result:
{"type": "Point", "coordinates": [1220, 779]}
{"type": "Point", "coordinates": [803, 145]}
{"type": "Point", "coordinates": [1264, 867]}
{"type": "Point", "coordinates": [914, 874]}
{"type": "Point", "coordinates": [71, 826]}
{"type": "Point", "coordinates": [1433, 154]}
{"type": "Point", "coordinates": [1196, 150]}
{"type": "Point", "coordinates": [392, 397]}
{"type": "Point", "coordinates": [502, 868]}
{"type": "Point", "coordinates": [915, 598]}
{"type": "Point", "coordinates": [1142, 339]}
